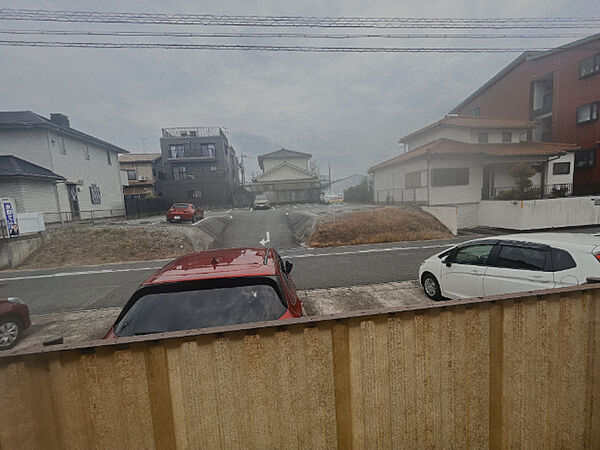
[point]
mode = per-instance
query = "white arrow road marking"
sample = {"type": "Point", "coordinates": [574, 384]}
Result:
{"type": "Point", "coordinates": [265, 241]}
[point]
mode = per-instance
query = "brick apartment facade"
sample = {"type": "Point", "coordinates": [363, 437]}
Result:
{"type": "Point", "coordinates": [560, 90]}
{"type": "Point", "coordinates": [198, 165]}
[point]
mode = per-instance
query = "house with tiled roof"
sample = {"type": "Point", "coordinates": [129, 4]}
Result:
{"type": "Point", "coordinates": [460, 161]}
{"type": "Point", "coordinates": [286, 177]}
{"type": "Point", "coordinates": [89, 180]}
{"type": "Point", "coordinates": [141, 170]}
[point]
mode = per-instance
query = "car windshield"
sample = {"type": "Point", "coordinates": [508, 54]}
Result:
{"type": "Point", "coordinates": [201, 308]}
{"type": "Point", "coordinates": [261, 197]}
{"type": "Point", "coordinates": [180, 206]}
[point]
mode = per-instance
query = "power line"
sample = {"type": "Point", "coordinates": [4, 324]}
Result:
{"type": "Point", "coordinates": [183, 34]}
{"type": "Point", "coordinates": [273, 48]}
{"type": "Point", "coordinates": [296, 21]}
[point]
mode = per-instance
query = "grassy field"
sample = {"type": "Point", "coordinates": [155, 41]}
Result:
{"type": "Point", "coordinates": [85, 246]}
{"type": "Point", "coordinates": [378, 225]}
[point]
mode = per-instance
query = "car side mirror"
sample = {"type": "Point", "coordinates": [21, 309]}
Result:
{"type": "Point", "coordinates": [447, 262]}
{"type": "Point", "coordinates": [288, 266]}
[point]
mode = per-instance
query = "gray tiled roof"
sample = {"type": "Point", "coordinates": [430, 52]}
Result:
{"type": "Point", "coordinates": [11, 166]}
{"type": "Point", "coordinates": [26, 119]}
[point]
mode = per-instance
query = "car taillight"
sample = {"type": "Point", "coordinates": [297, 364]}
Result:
{"type": "Point", "coordinates": [597, 255]}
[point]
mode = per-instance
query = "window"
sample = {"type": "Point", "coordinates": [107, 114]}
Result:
{"type": "Point", "coordinates": [587, 113]}
{"type": "Point", "coordinates": [207, 150]}
{"type": "Point", "coordinates": [95, 194]}
{"type": "Point", "coordinates": [61, 146]}
{"type": "Point", "coordinates": [412, 180]}
{"type": "Point", "coordinates": [108, 158]}
{"type": "Point", "coordinates": [176, 151]}
{"type": "Point", "coordinates": [193, 133]}
{"type": "Point", "coordinates": [561, 168]}
{"type": "Point", "coordinates": [131, 175]}
{"type": "Point", "coordinates": [86, 151]}
{"type": "Point", "coordinates": [195, 194]}
{"type": "Point", "coordinates": [473, 254]}
{"type": "Point", "coordinates": [584, 159]}
{"type": "Point", "coordinates": [450, 177]}
{"type": "Point", "coordinates": [589, 66]}
{"type": "Point", "coordinates": [179, 173]}
{"type": "Point", "coordinates": [524, 258]}
{"type": "Point", "coordinates": [506, 137]}
{"type": "Point", "coordinates": [562, 260]}
{"type": "Point", "coordinates": [482, 138]}
{"type": "Point", "coordinates": [474, 112]}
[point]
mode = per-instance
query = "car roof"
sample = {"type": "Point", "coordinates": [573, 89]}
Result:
{"type": "Point", "coordinates": [578, 241]}
{"type": "Point", "coordinates": [220, 263]}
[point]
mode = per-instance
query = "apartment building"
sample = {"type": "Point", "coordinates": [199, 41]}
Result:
{"type": "Point", "coordinates": [198, 165]}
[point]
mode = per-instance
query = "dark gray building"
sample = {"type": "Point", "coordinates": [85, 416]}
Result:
{"type": "Point", "coordinates": [198, 166]}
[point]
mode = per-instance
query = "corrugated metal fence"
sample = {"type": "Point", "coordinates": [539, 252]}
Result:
{"type": "Point", "coordinates": [509, 373]}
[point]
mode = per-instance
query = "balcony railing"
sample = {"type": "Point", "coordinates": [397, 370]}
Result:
{"type": "Point", "coordinates": [531, 192]}
{"type": "Point", "coordinates": [192, 132]}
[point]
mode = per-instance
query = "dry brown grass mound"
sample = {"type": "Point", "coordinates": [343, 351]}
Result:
{"type": "Point", "coordinates": [85, 246]}
{"type": "Point", "coordinates": [378, 225]}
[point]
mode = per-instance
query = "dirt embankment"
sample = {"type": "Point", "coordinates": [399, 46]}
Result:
{"type": "Point", "coordinates": [378, 225]}
{"type": "Point", "coordinates": [86, 246]}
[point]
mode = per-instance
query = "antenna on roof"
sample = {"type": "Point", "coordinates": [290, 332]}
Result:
{"type": "Point", "coordinates": [266, 256]}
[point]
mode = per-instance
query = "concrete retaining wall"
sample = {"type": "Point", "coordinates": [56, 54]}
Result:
{"type": "Point", "coordinates": [447, 215]}
{"type": "Point", "coordinates": [506, 372]}
{"type": "Point", "coordinates": [14, 251]}
{"type": "Point", "coordinates": [302, 225]}
{"type": "Point", "coordinates": [539, 214]}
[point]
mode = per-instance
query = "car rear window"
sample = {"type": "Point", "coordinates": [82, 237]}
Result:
{"type": "Point", "coordinates": [525, 258]}
{"type": "Point", "coordinates": [180, 205]}
{"type": "Point", "coordinates": [201, 308]}
{"type": "Point", "coordinates": [562, 260]}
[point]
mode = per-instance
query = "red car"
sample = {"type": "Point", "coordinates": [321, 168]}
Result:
{"type": "Point", "coordinates": [14, 319]}
{"type": "Point", "coordinates": [184, 211]}
{"type": "Point", "coordinates": [210, 289]}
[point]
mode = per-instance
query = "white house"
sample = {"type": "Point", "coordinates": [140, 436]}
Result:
{"type": "Point", "coordinates": [90, 168]}
{"type": "Point", "coordinates": [286, 177]}
{"type": "Point", "coordinates": [460, 161]}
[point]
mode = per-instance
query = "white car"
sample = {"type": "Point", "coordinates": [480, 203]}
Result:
{"type": "Point", "coordinates": [511, 263]}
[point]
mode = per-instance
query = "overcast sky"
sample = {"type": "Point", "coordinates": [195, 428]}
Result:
{"type": "Point", "coordinates": [345, 109]}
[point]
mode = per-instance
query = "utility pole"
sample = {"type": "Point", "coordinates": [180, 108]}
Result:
{"type": "Point", "coordinates": [143, 144]}
{"type": "Point", "coordinates": [242, 156]}
{"type": "Point", "coordinates": [329, 167]}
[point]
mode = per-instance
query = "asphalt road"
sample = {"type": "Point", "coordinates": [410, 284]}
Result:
{"type": "Point", "coordinates": [110, 285]}
{"type": "Point", "coordinates": [78, 288]}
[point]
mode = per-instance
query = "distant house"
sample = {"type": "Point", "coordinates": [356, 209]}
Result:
{"type": "Point", "coordinates": [286, 177]}
{"type": "Point", "coordinates": [460, 161]}
{"type": "Point", "coordinates": [142, 174]}
{"type": "Point", "coordinates": [90, 183]}
{"type": "Point", "coordinates": [198, 165]}
{"type": "Point", "coordinates": [31, 186]}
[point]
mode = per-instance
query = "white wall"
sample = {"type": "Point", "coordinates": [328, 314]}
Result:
{"type": "Point", "coordinates": [465, 135]}
{"type": "Point", "coordinates": [391, 181]}
{"type": "Point", "coordinates": [31, 195]}
{"type": "Point", "coordinates": [28, 144]}
{"type": "Point", "coordinates": [447, 215]}
{"type": "Point", "coordinates": [284, 173]}
{"type": "Point", "coordinates": [301, 162]}
{"type": "Point", "coordinates": [451, 195]}
{"type": "Point", "coordinates": [75, 167]}
{"type": "Point", "coordinates": [539, 214]}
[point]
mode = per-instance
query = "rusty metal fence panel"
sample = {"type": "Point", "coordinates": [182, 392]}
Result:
{"type": "Point", "coordinates": [510, 372]}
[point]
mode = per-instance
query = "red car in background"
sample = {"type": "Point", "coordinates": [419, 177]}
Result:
{"type": "Point", "coordinates": [210, 289]}
{"type": "Point", "coordinates": [184, 211]}
{"type": "Point", "coordinates": [14, 319]}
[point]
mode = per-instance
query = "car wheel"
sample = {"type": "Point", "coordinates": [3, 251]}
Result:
{"type": "Point", "coordinates": [194, 218]}
{"type": "Point", "coordinates": [431, 287]}
{"type": "Point", "coordinates": [10, 331]}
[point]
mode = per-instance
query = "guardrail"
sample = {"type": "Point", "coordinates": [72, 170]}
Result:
{"type": "Point", "coordinates": [504, 372]}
